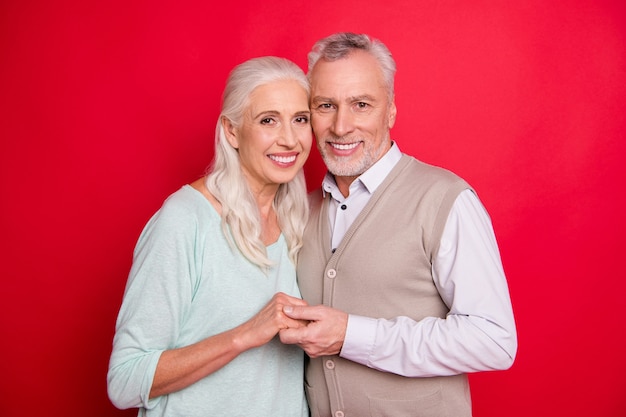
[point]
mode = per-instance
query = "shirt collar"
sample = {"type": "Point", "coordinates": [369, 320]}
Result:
{"type": "Point", "coordinates": [371, 178]}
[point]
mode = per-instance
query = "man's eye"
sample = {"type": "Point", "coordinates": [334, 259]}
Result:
{"type": "Point", "coordinates": [325, 106]}
{"type": "Point", "coordinates": [362, 105]}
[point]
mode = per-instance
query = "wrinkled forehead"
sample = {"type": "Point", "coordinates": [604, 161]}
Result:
{"type": "Point", "coordinates": [280, 97]}
{"type": "Point", "coordinates": [357, 74]}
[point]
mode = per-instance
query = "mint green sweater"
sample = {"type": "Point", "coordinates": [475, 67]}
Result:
{"type": "Point", "coordinates": [185, 285]}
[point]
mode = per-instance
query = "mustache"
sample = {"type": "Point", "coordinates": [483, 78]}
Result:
{"type": "Point", "coordinates": [342, 139]}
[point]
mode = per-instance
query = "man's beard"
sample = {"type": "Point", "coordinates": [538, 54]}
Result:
{"type": "Point", "coordinates": [349, 166]}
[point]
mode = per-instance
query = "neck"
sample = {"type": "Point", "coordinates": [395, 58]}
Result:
{"type": "Point", "coordinates": [265, 203]}
{"type": "Point", "coordinates": [269, 225]}
{"type": "Point", "coordinates": [269, 221]}
{"type": "Point", "coordinates": [343, 183]}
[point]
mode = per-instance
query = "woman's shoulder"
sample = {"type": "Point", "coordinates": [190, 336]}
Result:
{"type": "Point", "coordinates": [187, 206]}
{"type": "Point", "coordinates": [184, 216]}
{"type": "Point", "coordinates": [185, 199]}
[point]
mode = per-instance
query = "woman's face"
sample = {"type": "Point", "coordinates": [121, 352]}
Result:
{"type": "Point", "coordinates": [274, 138]}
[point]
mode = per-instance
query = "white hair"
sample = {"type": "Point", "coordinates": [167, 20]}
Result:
{"type": "Point", "coordinates": [241, 219]}
{"type": "Point", "coordinates": [340, 45]}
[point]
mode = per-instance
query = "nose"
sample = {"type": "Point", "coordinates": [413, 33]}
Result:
{"type": "Point", "coordinates": [343, 122]}
{"type": "Point", "coordinates": [287, 136]}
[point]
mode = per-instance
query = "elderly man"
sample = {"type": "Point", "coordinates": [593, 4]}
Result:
{"type": "Point", "coordinates": [400, 265]}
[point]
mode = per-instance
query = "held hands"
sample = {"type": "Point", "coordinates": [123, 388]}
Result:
{"type": "Point", "coordinates": [323, 335]}
{"type": "Point", "coordinates": [264, 325]}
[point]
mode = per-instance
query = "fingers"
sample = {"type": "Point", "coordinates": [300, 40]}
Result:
{"type": "Point", "coordinates": [292, 336]}
{"type": "Point", "coordinates": [323, 335]}
{"type": "Point", "coordinates": [265, 325]}
{"type": "Point", "coordinates": [285, 299]}
{"type": "Point", "coordinates": [279, 318]}
{"type": "Point", "coordinates": [279, 302]}
{"type": "Point", "coordinates": [303, 312]}
{"type": "Point", "coordinates": [293, 324]}
{"type": "Point", "coordinates": [282, 320]}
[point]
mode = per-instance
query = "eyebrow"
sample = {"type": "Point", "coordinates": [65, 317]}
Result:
{"type": "Point", "coordinates": [266, 113]}
{"type": "Point", "coordinates": [319, 99]}
{"type": "Point", "coordinates": [363, 97]}
{"type": "Point", "coordinates": [351, 99]}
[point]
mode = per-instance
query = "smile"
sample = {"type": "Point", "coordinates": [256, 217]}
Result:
{"type": "Point", "coordinates": [344, 146]}
{"type": "Point", "coordinates": [283, 159]}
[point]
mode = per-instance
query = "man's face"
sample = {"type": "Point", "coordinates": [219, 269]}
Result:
{"type": "Point", "coordinates": [351, 113]}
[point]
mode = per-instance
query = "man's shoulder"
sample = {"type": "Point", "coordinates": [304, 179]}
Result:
{"type": "Point", "coordinates": [416, 167]}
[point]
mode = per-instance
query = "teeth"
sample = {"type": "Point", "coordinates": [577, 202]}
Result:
{"type": "Point", "coordinates": [344, 147]}
{"type": "Point", "coordinates": [283, 159]}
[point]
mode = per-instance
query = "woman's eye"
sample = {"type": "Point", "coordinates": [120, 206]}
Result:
{"type": "Point", "coordinates": [266, 121]}
{"type": "Point", "coordinates": [302, 119]}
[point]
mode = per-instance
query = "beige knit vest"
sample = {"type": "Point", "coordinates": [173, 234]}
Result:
{"type": "Point", "coordinates": [382, 269]}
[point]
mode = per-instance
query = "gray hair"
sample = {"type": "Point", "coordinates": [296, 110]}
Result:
{"type": "Point", "coordinates": [241, 221]}
{"type": "Point", "coordinates": [340, 45]}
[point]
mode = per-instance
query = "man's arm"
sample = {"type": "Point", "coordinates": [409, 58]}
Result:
{"type": "Point", "coordinates": [478, 333]}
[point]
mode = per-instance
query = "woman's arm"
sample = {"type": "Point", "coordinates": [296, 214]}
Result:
{"type": "Point", "coordinates": [179, 368]}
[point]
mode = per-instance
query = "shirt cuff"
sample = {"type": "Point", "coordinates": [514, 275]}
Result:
{"type": "Point", "coordinates": [359, 340]}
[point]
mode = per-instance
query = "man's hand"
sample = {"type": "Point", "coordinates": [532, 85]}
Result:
{"type": "Point", "coordinates": [266, 324]}
{"type": "Point", "coordinates": [324, 333]}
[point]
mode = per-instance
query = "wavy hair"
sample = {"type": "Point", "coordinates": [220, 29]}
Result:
{"type": "Point", "coordinates": [241, 219]}
{"type": "Point", "coordinates": [340, 45]}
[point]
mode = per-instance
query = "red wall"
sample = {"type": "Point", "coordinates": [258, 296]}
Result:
{"type": "Point", "coordinates": [107, 107]}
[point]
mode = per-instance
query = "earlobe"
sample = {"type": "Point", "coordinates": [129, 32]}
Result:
{"type": "Point", "coordinates": [230, 132]}
{"type": "Point", "coordinates": [392, 114]}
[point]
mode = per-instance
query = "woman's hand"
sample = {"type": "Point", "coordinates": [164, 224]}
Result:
{"type": "Point", "coordinates": [264, 325]}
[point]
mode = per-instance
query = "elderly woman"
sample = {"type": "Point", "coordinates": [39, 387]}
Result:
{"type": "Point", "coordinates": [213, 268]}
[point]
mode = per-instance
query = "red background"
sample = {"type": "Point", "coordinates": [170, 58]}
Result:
{"type": "Point", "coordinates": [108, 107]}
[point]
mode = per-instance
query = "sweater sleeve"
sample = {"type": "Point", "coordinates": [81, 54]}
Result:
{"type": "Point", "coordinates": [157, 297]}
{"type": "Point", "coordinates": [478, 333]}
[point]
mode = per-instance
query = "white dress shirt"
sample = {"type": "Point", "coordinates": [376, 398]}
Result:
{"type": "Point", "coordinates": [479, 331]}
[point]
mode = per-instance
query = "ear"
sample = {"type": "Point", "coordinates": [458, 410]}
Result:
{"type": "Point", "coordinates": [392, 114]}
{"type": "Point", "coordinates": [230, 132]}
